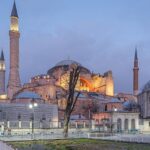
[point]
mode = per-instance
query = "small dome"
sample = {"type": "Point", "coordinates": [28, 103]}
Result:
{"type": "Point", "coordinates": [67, 62]}
{"type": "Point", "coordinates": [130, 105]}
{"type": "Point", "coordinates": [27, 94]}
{"type": "Point", "coordinates": [146, 87]}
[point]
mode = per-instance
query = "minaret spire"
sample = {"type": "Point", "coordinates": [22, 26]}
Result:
{"type": "Point", "coordinates": [2, 73]}
{"type": "Point", "coordinates": [2, 56]}
{"type": "Point", "coordinates": [135, 74]}
{"type": "Point", "coordinates": [135, 56]}
{"type": "Point", "coordinates": [14, 12]}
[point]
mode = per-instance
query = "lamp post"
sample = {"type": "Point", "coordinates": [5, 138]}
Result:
{"type": "Point", "coordinates": [89, 111]}
{"type": "Point", "coordinates": [115, 109]}
{"type": "Point", "coordinates": [32, 105]}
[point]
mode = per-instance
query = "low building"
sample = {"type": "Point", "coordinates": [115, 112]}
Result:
{"type": "Point", "coordinates": [116, 121]}
{"type": "Point", "coordinates": [26, 109]}
{"type": "Point", "coordinates": [118, 116]}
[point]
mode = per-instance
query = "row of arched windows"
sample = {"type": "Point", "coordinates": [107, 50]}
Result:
{"type": "Point", "coordinates": [126, 124]}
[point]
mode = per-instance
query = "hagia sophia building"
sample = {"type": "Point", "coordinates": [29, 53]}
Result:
{"type": "Point", "coordinates": [47, 89]}
{"type": "Point", "coordinates": [56, 78]}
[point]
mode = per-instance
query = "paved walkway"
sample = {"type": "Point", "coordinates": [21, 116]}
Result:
{"type": "Point", "coordinates": [4, 146]}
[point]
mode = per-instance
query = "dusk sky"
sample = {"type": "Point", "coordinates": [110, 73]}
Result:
{"type": "Point", "coordinates": [99, 34]}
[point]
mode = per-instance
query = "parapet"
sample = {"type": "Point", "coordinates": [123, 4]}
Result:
{"type": "Point", "coordinates": [108, 74]}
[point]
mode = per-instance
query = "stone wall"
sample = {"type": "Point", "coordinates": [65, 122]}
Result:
{"type": "Point", "coordinates": [16, 115]}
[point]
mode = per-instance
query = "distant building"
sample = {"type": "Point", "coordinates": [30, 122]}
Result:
{"type": "Point", "coordinates": [144, 101]}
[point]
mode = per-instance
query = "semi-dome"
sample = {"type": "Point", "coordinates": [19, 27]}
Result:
{"type": "Point", "coordinates": [146, 87]}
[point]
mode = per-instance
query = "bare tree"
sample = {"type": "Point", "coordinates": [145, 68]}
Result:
{"type": "Point", "coordinates": [72, 96]}
{"type": "Point", "coordinates": [92, 105]}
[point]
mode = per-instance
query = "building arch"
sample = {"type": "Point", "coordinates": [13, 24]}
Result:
{"type": "Point", "coordinates": [126, 124]}
{"type": "Point", "coordinates": [119, 124]}
{"type": "Point", "coordinates": [106, 108]}
{"type": "Point", "coordinates": [85, 85]}
{"type": "Point", "coordinates": [133, 124]}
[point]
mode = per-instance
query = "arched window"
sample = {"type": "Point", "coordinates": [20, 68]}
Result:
{"type": "Point", "coordinates": [31, 117]}
{"type": "Point", "coordinates": [119, 125]}
{"type": "Point", "coordinates": [126, 124]}
{"type": "Point", "coordinates": [4, 116]}
{"type": "Point", "coordinates": [133, 124]}
{"type": "Point", "coordinates": [43, 117]}
{"type": "Point", "coordinates": [19, 116]}
{"type": "Point", "coordinates": [105, 107]}
{"type": "Point", "coordinates": [84, 85]}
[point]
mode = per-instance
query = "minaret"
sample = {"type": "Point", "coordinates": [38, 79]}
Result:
{"type": "Point", "coordinates": [2, 73]}
{"type": "Point", "coordinates": [14, 83]}
{"type": "Point", "coordinates": [135, 74]}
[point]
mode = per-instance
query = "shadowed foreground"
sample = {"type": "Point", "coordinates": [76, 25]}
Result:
{"type": "Point", "coordinates": [78, 144]}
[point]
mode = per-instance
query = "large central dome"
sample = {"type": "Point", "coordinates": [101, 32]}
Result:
{"type": "Point", "coordinates": [64, 65]}
{"type": "Point", "coordinates": [67, 63]}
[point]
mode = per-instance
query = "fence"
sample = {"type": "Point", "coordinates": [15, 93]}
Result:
{"type": "Point", "coordinates": [28, 124]}
{"type": "Point", "coordinates": [40, 125]}
{"type": "Point", "coordinates": [43, 136]}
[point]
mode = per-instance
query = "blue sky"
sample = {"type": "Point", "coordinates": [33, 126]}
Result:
{"type": "Point", "coordinates": [100, 34]}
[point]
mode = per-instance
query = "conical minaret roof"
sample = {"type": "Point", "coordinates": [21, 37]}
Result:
{"type": "Point", "coordinates": [14, 12]}
{"type": "Point", "coordinates": [2, 56]}
{"type": "Point", "coordinates": [135, 56]}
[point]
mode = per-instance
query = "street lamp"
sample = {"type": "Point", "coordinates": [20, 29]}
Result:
{"type": "Point", "coordinates": [32, 105]}
{"type": "Point", "coordinates": [89, 111]}
{"type": "Point", "coordinates": [115, 109]}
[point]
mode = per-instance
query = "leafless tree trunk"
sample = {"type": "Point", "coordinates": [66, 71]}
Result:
{"type": "Point", "coordinates": [72, 96]}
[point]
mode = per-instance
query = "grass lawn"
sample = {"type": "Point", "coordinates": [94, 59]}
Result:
{"type": "Point", "coordinates": [78, 144]}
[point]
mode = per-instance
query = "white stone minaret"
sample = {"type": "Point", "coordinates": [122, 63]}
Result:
{"type": "Point", "coordinates": [2, 74]}
{"type": "Point", "coordinates": [14, 83]}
